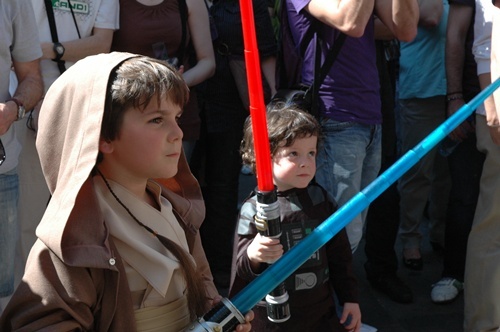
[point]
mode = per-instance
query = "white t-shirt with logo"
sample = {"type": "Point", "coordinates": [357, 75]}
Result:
{"type": "Point", "coordinates": [88, 14]}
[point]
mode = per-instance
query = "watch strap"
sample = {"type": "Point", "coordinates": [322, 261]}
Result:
{"type": "Point", "coordinates": [59, 55]}
{"type": "Point", "coordinates": [21, 111]}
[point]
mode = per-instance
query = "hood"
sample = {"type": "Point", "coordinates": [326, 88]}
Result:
{"type": "Point", "coordinates": [68, 145]}
{"type": "Point", "coordinates": [68, 136]}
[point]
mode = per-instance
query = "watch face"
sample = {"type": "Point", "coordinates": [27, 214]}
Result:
{"type": "Point", "coordinates": [21, 112]}
{"type": "Point", "coordinates": [59, 49]}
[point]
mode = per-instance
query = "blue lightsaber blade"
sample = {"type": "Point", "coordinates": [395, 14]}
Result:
{"type": "Point", "coordinates": [275, 274]}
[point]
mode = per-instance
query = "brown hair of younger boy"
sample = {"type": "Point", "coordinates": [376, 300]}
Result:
{"type": "Point", "coordinates": [285, 124]}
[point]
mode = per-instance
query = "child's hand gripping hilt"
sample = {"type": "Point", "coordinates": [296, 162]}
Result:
{"type": "Point", "coordinates": [268, 223]}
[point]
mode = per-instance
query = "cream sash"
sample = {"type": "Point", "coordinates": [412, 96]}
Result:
{"type": "Point", "coordinates": [170, 317]}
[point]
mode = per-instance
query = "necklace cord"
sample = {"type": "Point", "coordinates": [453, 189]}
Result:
{"type": "Point", "coordinates": [195, 286]}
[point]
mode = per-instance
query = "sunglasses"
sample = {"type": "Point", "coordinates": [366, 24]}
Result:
{"type": "Point", "coordinates": [2, 153]}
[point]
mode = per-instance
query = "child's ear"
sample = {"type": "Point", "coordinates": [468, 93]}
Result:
{"type": "Point", "coordinates": [105, 146]}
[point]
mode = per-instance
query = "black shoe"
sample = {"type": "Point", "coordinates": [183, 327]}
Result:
{"type": "Point", "coordinates": [415, 264]}
{"type": "Point", "coordinates": [393, 287]}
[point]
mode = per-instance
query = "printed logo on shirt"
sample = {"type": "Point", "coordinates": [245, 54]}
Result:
{"type": "Point", "coordinates": [79, 7]}
{"type": "Point", "coordinates": [305, 281]}
{"type": "Point", "coordinates": [314, 272]}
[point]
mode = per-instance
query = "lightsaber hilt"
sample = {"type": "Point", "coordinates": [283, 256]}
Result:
{"type": "Point", "coordinates": [224, 317]}
{"type": "Point", "coordinates": [268, 223]}
{"type": "Point", "coordinates": [267, 216]}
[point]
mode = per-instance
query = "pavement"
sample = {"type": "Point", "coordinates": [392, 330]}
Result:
{"type": "Point", "coordinates": [385, 315]}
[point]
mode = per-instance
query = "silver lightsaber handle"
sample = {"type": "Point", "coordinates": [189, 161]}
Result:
{"type": "Point", "coordinates": [224, 317]}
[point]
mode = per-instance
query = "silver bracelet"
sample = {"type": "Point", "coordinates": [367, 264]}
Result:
{"type": "Point", "coordinates": [455, 97]}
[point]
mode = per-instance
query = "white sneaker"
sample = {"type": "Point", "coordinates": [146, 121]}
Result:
{"type": "Point", "coordinates": [446, 290]}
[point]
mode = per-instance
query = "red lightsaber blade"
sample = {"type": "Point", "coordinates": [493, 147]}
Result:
{"type": "Point", "coordinates": [256, 93]}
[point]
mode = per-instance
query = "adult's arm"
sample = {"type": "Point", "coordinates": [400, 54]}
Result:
{"type": "Point", "coordinates": [382, 32]}
{"type": "Point", "coordinates": [98, 42]}
{"type": "Point", "coordinates": [492, 118]}
{"type": "Point", "coordinates": [459, 20]}
{"type": "Point", "coordinates": [269, 72]}
{"type": "Point", "coordinates": [199, 29]}
{"type": "Point", "coordinates": [29, 91]}
{"type": "Point", "coordinates": [495, 68]}
{"type": "Point", "coordinates": [348, 16]}
{"type": "Point", "coordinates": [400, 16]}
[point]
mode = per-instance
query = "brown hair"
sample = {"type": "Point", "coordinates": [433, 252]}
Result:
{"type": "Point", "coordinates": [285, 123]}
{"type": "Point", "coordinates": [135, 83]}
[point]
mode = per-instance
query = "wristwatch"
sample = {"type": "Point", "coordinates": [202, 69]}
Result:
{"type": "Point", "coordinates": [59, 50]}
{"type": "Point", "coordinates": [21, 111]}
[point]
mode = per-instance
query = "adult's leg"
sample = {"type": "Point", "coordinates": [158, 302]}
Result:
{"type": "Point", "coordinates": [381, 265]}
{"type": "Point", "coordinates": [438, 201]}
{"type": "Point", "coordinates": [419, 117]}
{"type": "Point", "coordinates": [9, 192]}
{"type": "Point", "coordinates": [220, 192]}
{"type": "Point", "coordinates": [482, 269]}
{"type": "Point", "coordinates": [466, 164]}
{"type": "Point", "coordinates": [348, 159]}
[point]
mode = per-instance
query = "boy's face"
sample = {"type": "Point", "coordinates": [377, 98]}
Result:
{"type": "Point", "coordinates": [294, 166]}
{"type": "Point", "coordinates": [148, 145]}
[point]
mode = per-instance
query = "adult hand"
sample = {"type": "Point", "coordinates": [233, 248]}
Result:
{"type": "Point", "coordinates": [492, 120]}
{"type": "Point", "coordinates": [495, 134]}
{"type": "Point", "coordinates": [461, 132]}
{"type": "Point", "coordinates": [8, 114]}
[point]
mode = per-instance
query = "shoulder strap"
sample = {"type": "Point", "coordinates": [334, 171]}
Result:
{"type": "Point", "coordinates": [52, 22]}
{"type": "Point", "coordinates": [74, 19]}
{"type": "Point", "coordinates": [320, 73]}
{"type": "Point", "coordinates": [332, 55]}
{"type": "Point", "coordinates": [53, 31]}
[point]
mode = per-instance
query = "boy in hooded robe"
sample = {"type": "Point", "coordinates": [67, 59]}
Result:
{"type": "Point", "coordinates": [116, 250]}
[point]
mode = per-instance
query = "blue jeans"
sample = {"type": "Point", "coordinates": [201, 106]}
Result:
{"type": "Point", "coordinates": [9, 192]}
{"type": "Point", "coordinates": [348, 160]}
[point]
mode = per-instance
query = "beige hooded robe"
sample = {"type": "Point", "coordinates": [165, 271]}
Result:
{"type": "Point", "coordinates": [74, 278]}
